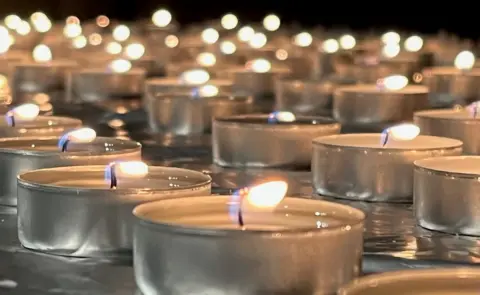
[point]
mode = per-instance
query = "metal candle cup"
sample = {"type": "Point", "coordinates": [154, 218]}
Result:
{"type": "Point", "coordinates": [29, 153]}
{"type": "Point", "coordinates": [41, 77]}
{"type": "Point", "coordinates": [357, 167]}
{"type": "Point", "coordinates": [304, 97]}
{"type": "Point", "coordinates": [72, 211]}
{"type": "Point", "coordinates": [459, 124]}
{"type": "Point", "coordinates": [178, 239]}
{"type": "Point", "coordinates": [453, 281]}
{"type": "Point", "coordinates": [40, 126]}
{"type": "Point", "coordinates": [187, 115]}
{"type": "Point", "coordinates": [446, 194]}
{"type": "Point", "coordinates": [101, 84]}
{"type": "Point", "coordinates": [405, 66]}
{"type": "Point", "coordinates": [369, 109]}
{"type": "Point", "coordinates": [449, 85]}
{"type": "Point", "coordinates": [251, 141]}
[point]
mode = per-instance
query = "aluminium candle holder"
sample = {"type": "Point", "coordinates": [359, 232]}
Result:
{"type": "Point", "coordinates": [357, 167]}
{"type": "Point", "coordinates": [41, 77]}
{"type": "Point", "coordinates": [99, 84]}
{"type": "Point", "coordinates": [251, 141]}
{"type": "Point", "coordinates": [40, 126]}
{"type": "Point", "coordinates": [188, 115]}
{"type": "Point", "coordinates": [449, 86]}
{"type": "Point", "coordinates": [458, 281]}
{"type": "Point", "coordinates": [452, 123]}
{"type": "Point", "coordinates": [21, 154]}
{"type": "Point", "coordinates": [71, 211]}
{"type": "Point", "coordinates": [367, 108]}
{"type": "Point", "coordinates": [176, 240]}
{"type": "Point", "coordinates": [445, 194]}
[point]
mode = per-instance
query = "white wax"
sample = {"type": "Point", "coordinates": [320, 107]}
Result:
{"type": "Point", "coordinates": [461, 114]}
{"type": "Point", "coordinates": [451, 71]}
{"type": "Point", "coordinates": [216, 213]}
{"type": "Point", "coordinates": [373, 141]}
{"type": "Point", "coordinates": [374, 89]}
{"type": "Point", "coordinates": [459, 164]}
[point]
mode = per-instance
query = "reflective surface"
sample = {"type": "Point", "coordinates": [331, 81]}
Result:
{"type": "Point", "coordinates": [392, 240]}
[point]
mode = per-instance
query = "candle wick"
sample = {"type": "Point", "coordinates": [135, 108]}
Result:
{"type": "Point", "coordinates": [65, 145]}
{"type": "Point", "coordinates": [11, 119]}
{"type": "Point", "coordinates": [385, 138]}
{"type": "Point", "coordinates": [240, 216]}
{"type": "Point", "coordinates": [113, 177]}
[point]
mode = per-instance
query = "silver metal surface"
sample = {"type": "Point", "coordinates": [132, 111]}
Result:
{"type": "Point", "coordinates": [31, 77]}
{"type": "Point", "coordinates": [364, 107]}
{"type": "Point", "coordinates": [250, 141]}
{"type": "Point", "coordinates": [445, 194]}
{"type": "Point", "coordinates": [41, 126]}
{"type": "Point", "coordinates": [304, 97]}
{"type": "Point", "coordinates": [454, 123]}
{"type": "Point", "coordinates": [371, 73]}
{"type": "Point", "coordinates": [71, 211]}
{"type": "Point", "coordinates": [356, 166]}
{"type": "Point", "coordinates": [459, 281]}
{"type": "Point", "coordinates": [21, 154]}
{"type": "Point", "coordinates": [186, 115]}
{"type": "Point", "coordinates": [449, 86]}
{"type": "Point", "coordinates": [175, 256]}
{"type": "Point", "coordinates": [99, 84]}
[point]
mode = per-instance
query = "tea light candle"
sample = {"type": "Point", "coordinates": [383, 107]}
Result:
{"type": "Point", "coordinates": [42, 75]}
{"type": "Point", "coordinates": [454, 85]}
{"type": "Point", "coordinates": [186, 83]}
{"type": "Point", "coordinates": [448, 281]}
{"type": "Point", "coordinates": [190, 114]}
{"type": "Point", "coordinates": [118, 80]}
{"type": "Point", "coordinates": [24, 121]}
{"type": "Point", "coordinates": [461, 124]}
{"type": "Point", "coordinates": [279, 139]}
{"type": "Point", "coordinates": [257, 78]}
{"type": "Point", "coordinates": [374, 167]}
{"type": "Point", "coordinates": [20, 154]}
{"type": "Point", "coordinates": [89, 208]}
{"type": "Point", "coordinates": [371, 107]}
{"type": "Point", "coordinates": [445, 193]}
{"type": "Point", "coordinates": [298, 230]}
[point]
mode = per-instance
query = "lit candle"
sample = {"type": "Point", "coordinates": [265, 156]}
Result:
{"type": "Point", "coordinates": [281, 117]}
{"type": "Point", "coordinates": [117, 170]}
{"type": "Point", "coordinates": [369, 107]}
{"type": "Point", "coordinates": [83, 135]}
{"type": "Point", "coordinates": [22, 113]}
{"type": "Point", "coordinates": [382, 169]}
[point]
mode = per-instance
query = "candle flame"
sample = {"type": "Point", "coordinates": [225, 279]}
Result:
{"type": "Point", "coordinates": [131, 169]}
{"type": "Point", "coordinates": [258, 40]}
{"type": "Point", "coordinates": [395, 82]}
{"type": "Point", "coordinates": [228, 47]}
{"type": "Point", "coordinates": [229, 21]}
{"type": "Point", "coordinates": [121, 33]}
{"type": "Point", "coordinates": [135, 51]}
{"type": "Point", "coordinates": [285, 117]}
{"type": "Point", "coordinates": [271, 22]}
{"type": "Point", "coordinates": [465, 60]}
{"type": "Point", "coordinates": [303, 39]}
{"type": "Point", "coordinates": [42, 53]}
{"type": "Point", "coordinates": [82, 135]}
{"type": "Point", "coordinates": [206, 59]}
{"type": "Point", "coordinates": [113, 48]}
{"type": "Point", "coordinates": [120, 66]}
{"type": "Point", "coordinates": [195, 77]}
{"type": "Point", "coordinates": [207, 91]}
{"type": "Point", "coordinates": [171, 41]}
{"type": "Point", "coordinates": [330, 46]}
{"type": "Point", "coordinates": [413, 44]}
{"type": "Point", "coordinates": [162, 18]}
{"type": "Point", "coordinates": [259, 65]}
{"type": "Point", "coordinates": [72, 30]}
{"type": "Point", "coordinates": [391, 38]}
{"type": "Point", "coordinates": [267, 195]}
{"type": "Point", "coordinates": [245, 34]}
{"type": "Point", "coordinates": [210, 36]}
{"type": "Point", "coordinates": [402, 132]}
{"type": "Point", "coordinates": [390, 50]}
{"type": "Point", "coordinates": [347, 42]}
{"type": "Point", "coordinates": [25, 112]}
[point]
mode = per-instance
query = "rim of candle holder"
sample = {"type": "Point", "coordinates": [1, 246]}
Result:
{"type": "Point", "coordinates": [423, 165]}
{"type": "Point", "coordinates": [139, 213]}
{"type": "Point", "coordinates": [372, 89]}
{"type": "Point", "coordinates": [306, 121]}
{"type": "Point", "coordinates": [447, 71]}
{"type": "Point", "coordinates": [322, 141]}
{"type": "Point", "coordinates": [62, 122]}
{"type": "Point", "coordinates": [220, 98]}
{"type": "Point", "coordinates": [106, 71]}
{"type": "Point", "coordinates": [57, 63]}
{"type": "Point", "coordinates": [427, 114]}
{"type": "Point", "coordinates": [134, 146]}
{"type": "Point", "coordinates": [407, 276]}
{"type": "Point", "coordinates": [173, 81]}
{"type": "Point", "coordinates": [31, 184]}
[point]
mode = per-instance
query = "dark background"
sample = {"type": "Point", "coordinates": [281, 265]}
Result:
{"type": "Point", "coordinates": [416, 16]}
